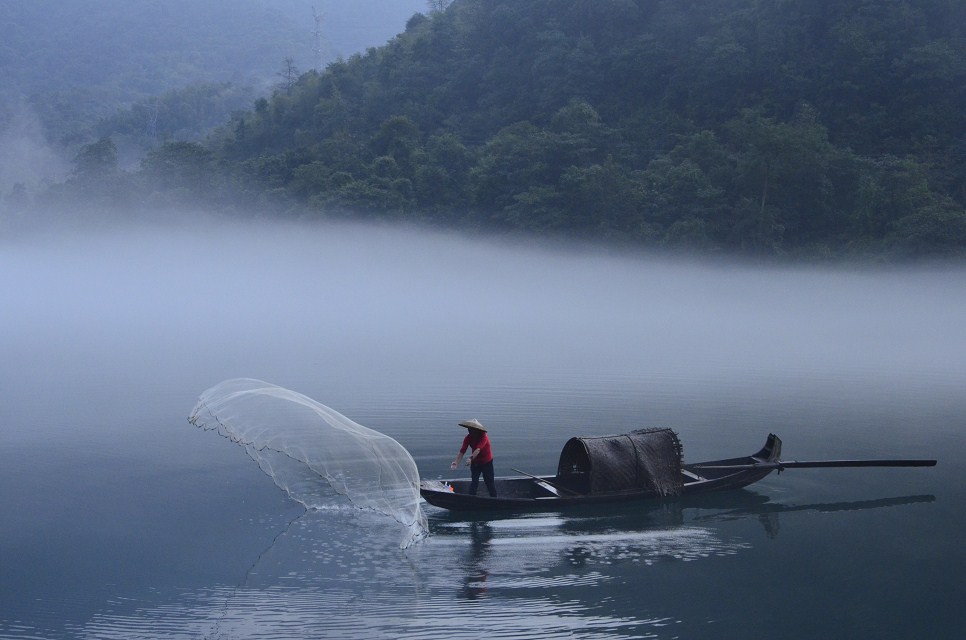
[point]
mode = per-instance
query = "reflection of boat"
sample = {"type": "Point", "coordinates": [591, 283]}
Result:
{"type": "Point", "coordinates": [641, 465]}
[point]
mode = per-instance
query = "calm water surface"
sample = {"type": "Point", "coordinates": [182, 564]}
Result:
{"type": "Point", "coordinates": [120, 520]}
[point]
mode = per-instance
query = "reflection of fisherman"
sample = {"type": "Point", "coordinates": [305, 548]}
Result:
{"type": "Point", "coordinates": [474, 583]}
{"type": "Point", "coordinates": [481, 456]}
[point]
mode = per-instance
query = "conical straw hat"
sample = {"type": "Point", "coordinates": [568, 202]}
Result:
{"type": "Point", "coordinates": [472, 424]}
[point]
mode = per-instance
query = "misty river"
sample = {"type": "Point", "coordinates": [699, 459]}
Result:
{"type": "Point", "coordinates": [121, 520]}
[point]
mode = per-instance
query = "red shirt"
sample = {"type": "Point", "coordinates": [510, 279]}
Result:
{"type": "Point", "coordinates": [482, 443]}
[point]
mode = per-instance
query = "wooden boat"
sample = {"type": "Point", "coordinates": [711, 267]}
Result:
{"type": "Point", "coordinates": [640, 465]}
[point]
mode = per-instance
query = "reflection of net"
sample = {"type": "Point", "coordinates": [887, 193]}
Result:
{"type": "Point", "coordinates": [309, 450]}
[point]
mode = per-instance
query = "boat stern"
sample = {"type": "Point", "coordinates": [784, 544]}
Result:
{"type": "Point", "coordinates": [772, 450]}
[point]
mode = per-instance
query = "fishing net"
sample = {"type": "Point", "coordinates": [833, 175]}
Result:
{"type": "Point", "coordinates": [313, 452]}
{"type": "Point", "coordinates": [643, 460]}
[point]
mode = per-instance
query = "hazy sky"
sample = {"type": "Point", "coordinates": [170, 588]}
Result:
{"type": "Point", "coordinates": [107, 53]}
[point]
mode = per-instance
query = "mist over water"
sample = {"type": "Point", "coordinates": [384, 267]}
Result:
{"type": "Point", "coordinates": [108, 337]}
{"type": "Point", "coordinates": [324, 309]}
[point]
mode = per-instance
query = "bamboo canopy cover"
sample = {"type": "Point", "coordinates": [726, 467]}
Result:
{"type": "Point", "coordinates": [648, 459]}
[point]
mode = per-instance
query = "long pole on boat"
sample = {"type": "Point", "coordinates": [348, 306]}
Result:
{"type": "Point", "coordinates": [549, 482]}
{"type": "Point", "coordinates": [814, 464]}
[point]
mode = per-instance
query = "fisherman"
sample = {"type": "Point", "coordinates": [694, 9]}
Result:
{"type": "Point", "coordinates": [481, 456]}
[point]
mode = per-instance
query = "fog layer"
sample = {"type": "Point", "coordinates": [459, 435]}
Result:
{"type": "Point", "coordinates": [115, 318]}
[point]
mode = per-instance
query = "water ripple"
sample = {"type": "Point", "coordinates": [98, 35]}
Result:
{"type": "Point", "coordinates": [527, 577]}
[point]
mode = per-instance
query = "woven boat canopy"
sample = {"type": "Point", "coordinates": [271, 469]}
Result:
{"type": "Point", "coordinates": [642, 460]}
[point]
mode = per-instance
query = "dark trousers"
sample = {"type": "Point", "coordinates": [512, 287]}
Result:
{"type": "Point", "coordinates": [487, 471]}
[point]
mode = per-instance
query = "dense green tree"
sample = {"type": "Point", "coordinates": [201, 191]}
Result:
{"type": "Point", "coordinates": [937, 229]}
{"type": "Point", "coordinates": [442, 176]}
{"type": "Point", "coordinates": [184, 166]}
{"type": "Point", "coordinates": [95, 179]}
{"type": "Point", "coordinates": [398, 138]}
{"type": "Point", "coordinates": [96, 160]}
{"type": "Point", "coordinates": [785, 170]}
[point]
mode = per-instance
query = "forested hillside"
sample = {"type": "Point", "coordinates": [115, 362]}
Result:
{"type": "Point", "coordinates": [751, 126]}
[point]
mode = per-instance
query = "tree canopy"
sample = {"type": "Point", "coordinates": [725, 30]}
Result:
{"type": "Point", "coordinates": [752, 126]}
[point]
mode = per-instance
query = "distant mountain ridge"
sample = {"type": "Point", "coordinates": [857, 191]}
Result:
{"type": "Point", "coordinates": [72, 63]}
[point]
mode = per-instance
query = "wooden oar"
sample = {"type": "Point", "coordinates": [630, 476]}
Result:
{"type": "Point", "coordinates": [550, 486]}
{"type": "Point", "coordinates": [809, 464]}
